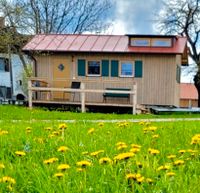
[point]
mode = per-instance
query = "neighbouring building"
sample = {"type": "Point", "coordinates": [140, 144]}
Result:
{"type": "Point", "coordinates": [153, 62]}
{"type": "Point", "coordinates": [188, 95]}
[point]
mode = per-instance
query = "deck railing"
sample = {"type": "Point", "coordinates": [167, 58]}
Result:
{"type": "Point", "coordinates": [82, 91]}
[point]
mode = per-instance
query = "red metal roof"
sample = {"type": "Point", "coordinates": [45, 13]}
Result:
{"type": "Point", "coordinates": [188, 91]}
{"type": "Point", "coordinates": [96, 43]}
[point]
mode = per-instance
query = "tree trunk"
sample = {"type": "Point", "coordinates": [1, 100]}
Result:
{"type": "Point", "coordinates": [197, 85]}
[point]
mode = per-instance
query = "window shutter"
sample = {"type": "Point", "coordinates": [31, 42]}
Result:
{"type": "Point", "coordinates": [114, 68]}
{"type": "Point", "coordinates": [138, 69]}
{"type": "Point", "coordinates": [105, 67]}
{"type": "Point", "coordinates": [178, 73]}
{"type": "Point", "coordinates": [81, 67]}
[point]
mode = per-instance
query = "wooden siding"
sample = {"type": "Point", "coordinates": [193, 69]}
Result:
{"type": "Point", "coordinates": [158, 85]}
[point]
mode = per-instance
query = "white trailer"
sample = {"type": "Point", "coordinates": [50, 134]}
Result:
{"type": "Point", "coordinates": [11, 70]}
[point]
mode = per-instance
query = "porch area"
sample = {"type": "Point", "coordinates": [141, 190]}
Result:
{"type": "Point", "coordinates": [83, 93]}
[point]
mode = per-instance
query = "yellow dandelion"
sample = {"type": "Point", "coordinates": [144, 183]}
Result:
{"type": "Point", "coordinates": [141, 123]}
{"type": "Point", "coordinates": [96, 153]}
{"type": "Point", "coordinates": [8, 179]}
{"type": "Point", "coordinates": [91, 130]}
{"type": "Point", "coordinates": [58, 175]}
{"type": "Point", "coordinates": [171, 156]}
{"type": "Point", "coordinates": [56, 133]}
{"type": "Point", "coordinates": [20, 153]}
{"type": "Point", "coordinates": [192, 151]}
{"type": "Point", "coordinates": [153, 151]}
{"type": "Point", "coordinates": [134, 150]}
{"type": "Point", "coordinates": [178, 162]}
{"type": "Point", "coordinates": [48, 128]}
{"type": "Point", "coordinates": [164, 167]}
{"type": "Point", "coordinates": [140, 180]}
{"type": "Point", "coordinates": [105, 160]}
{"type": "Point", "coordinates": [62, 126]}
{"type": "Point", "coordinates": [182, 151]}
{"type": "Point", "coordinates": [136, 146]}
{"type": "Point", "coordinates": [139, 164]}
{"type": "Point", "coordinates": [63, 149]}
{"type": "Point", "coordinates": [195, 139]}
{"type": "Point", "coordinates": [84, 163]}
{"type": "Point", "coordinates": [120, 143]}
{"type": "Point", "coordinates": [80, 169]}
{"type": "Point", "coordinates": [2, 166]}
{"type": "Point", "coordinates": [131, 176]}
{"type": "Point", "coordinates": [101, 124]}
{"type": "Point", "coordinates": [149, 180]}
{"type": "Point", "coordinates": [51, 136]}
{"type": "Point", "coordinates": [170, 174]}
{"type": "Point", "coordinates": [63, 167]}
{"type": "Point", "coordinates": [155, 136]}
{"type": "Point", "coordinates": [152, 128]}
{"type": "Point", "coordinates": [124, 156]}
{"type": "Point", "coordinates": [3, 132]}
{"type": "Point", "coordinates": [120, 147]}
{"type": "Point", "coordinates": [50, 161]}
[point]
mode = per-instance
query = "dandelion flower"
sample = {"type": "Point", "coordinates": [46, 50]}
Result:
{"type": "Point", "coordinates": [101, 124]}
{"type": "Point", "coordinates": [155, 136]}
{"type": "Point", "coordinates": [136, 146]}
{"type": "Point", "coordinates": [50, 161]}
{"type": "Point", "coordinates": [170, 174]}
{"type": "Point", "coordinates": [84, 163]}
{"type": "Point", "coordinates": [149, 180]}
{"type": "Point", "coordinates": [164, 167]}
{"type": "Point", "coordinates": [120, 147]}
{"type": "Point", "coordinates": [140, 180]}
{"type": "Point", "coordinates": [3, 132]}
{"type": "Point", "coordinates": [8, 179]}
{"type": "Point", "coordinates": [96, 153]}
{"type": "Point", "coordinates": [123, 156]}
{"type": "Point", "coordinates": [2, 166]}
{"type": "Point", "coordinates": [80, 169]}
{"type": "Point", "coordinates": [63, 149]}
{"type": "Point", "coordinates": [182, 151]}
{"type": "Point", "coordinates": [62, 126]}
{"type": "Point", "coordinates": [105, 160]}
{"type": "Point", "coordinates": [20, 153]}
{"type": "Point", "coordinates": [90, 131]}
{"type": "Point", "coordinates": [59, 175]}
{"type": "Point", "coordinates": [63, 167]}
{"type": "Point", "coordinates": [195, 139]}
{"type": "Point", "coordinates": [153, 151]}
{"type": "Point", "coordinates": [178, 162]}
{"type": "Point", "coordinates": [48, 128]}
{"type": "Point", "coordinates": [171, 156]}
{"type": "Point", "coordinates": [133, 176]}
{"type": "Point", "coordinates": [134, 150]}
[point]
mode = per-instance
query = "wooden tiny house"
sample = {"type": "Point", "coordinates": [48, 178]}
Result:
{"type": "Point", "coordinates": [110, 61]}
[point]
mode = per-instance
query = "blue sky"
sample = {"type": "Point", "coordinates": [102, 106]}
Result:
{"type": "Point", "coordinates": [135, 16]}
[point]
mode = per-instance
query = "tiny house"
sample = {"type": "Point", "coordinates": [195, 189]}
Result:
{"type": "Point", "coordinates": [111, 61]}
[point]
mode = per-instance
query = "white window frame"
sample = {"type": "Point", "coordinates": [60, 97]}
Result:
{"type": "Point", "coordinates": [133, 70]}
{"type": "Point", "coordinates": [88, 68]}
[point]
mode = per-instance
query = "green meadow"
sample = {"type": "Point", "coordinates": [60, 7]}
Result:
{"type": "Point", "coordinates": [38, 156]}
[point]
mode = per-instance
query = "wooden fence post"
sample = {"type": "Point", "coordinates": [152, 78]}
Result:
{"type": "Point", "coordinates": [134, 99]}
{"type": "Point", "coordinates": [30, 94]}
{"type": "Point", "coordinates": [82, 97]}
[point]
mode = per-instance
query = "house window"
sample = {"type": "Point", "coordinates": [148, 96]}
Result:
{"type": "Point", "coordinates": [93, 68]}
{"type": "Point", "coordinates": [140, 42]}
{"type": "Point", "coordinates": [126, 69]}
{"type": "Point", "coordinates": [162, 43]}
{"type": "Point", "coordinates": [4, 65]}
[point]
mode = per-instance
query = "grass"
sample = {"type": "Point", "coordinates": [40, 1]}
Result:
{"type": "Point", "coordinates": [32, 170]}
{"type": "Point", "coordinates": [23, 113]}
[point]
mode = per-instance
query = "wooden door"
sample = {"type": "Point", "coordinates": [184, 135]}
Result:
{"type": "Point", "coordinates": [61, 76]}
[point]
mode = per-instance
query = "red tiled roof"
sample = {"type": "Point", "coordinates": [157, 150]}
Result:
{"type": "Point", "coordinates": [96, 43]}
{"type": "Point", "coordinates": [188, 91]}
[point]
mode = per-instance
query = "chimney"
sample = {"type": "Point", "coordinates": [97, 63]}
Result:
{"type": "Point", "coordinates": [2, 22]}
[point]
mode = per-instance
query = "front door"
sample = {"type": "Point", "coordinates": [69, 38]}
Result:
{"type": "Point", "coordinates": [61, 76]}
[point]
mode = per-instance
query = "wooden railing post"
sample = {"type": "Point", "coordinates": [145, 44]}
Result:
{"type": "Point", "coordinates": [30, 104]}
{"type": "Point", "coordinates": [134, 99]}
{"type": "Point", "coordinates": [82, 97]}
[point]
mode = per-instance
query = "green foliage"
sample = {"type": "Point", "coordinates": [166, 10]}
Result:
{"type": "Point", "coordinates": [92, 141]}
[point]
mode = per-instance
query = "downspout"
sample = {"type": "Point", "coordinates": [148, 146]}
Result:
{"type": "Point", "coordinates": [11, 72]}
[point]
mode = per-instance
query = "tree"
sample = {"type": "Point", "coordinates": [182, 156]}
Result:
{"type": "Point", "coordinates": [51, 16]}
{"type": "Point", "coordinates": [183, 17]}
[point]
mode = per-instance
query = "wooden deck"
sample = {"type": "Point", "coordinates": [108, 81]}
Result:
{"type": "Point", "coordinates": [82, 93]}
